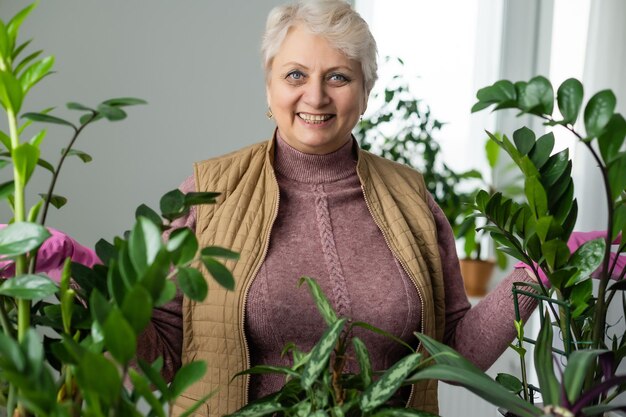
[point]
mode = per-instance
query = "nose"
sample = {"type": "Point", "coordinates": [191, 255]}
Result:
{"type": "Point", "coordinates": [315, 94]}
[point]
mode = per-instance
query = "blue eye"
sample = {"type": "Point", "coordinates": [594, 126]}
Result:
{"type": "Point", "coordinates": [295, 75]}
{"type": "Point", "coordinates": [338, 77]}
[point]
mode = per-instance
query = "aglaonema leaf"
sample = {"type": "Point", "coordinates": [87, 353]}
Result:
{"type": "Point", "coordinates": [321, 301]}
{"type": "Point", "coordinates": [380, 391]}
{"type": "Point", "coordinates": [363, 358]}
{"type": "Point", "coordinates": [320, 354]}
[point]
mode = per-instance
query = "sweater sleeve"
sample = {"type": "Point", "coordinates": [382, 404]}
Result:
{"type": "Point", "coordinates": [164, 334]}
{"type": "Point", "coordinates": [483, 332]}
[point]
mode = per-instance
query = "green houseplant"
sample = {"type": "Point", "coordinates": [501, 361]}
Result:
{"type": "Point", "coordinates": [536, 232]}
{"type": "Point", "coordinates": [66, 348]}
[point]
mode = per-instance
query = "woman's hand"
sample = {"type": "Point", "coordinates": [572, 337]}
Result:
{"type": "Point", "coordinates": [52, 255]}
{"type": "Point", "coordinates": [576, 240]}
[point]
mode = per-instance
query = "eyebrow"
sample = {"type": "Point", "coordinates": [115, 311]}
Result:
{"type": "Point", "coordinates": [297, 64]}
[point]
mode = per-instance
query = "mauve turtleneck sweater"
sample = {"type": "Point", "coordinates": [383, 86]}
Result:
{"type": "Point", "coordinates": [324, 230]}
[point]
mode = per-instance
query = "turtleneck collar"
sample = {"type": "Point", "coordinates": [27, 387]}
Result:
{"type": "Point", "coordinates": [314, 169]}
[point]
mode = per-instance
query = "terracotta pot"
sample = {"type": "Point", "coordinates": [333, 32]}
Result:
{"type": "Point", "coordinates": [476, 276]}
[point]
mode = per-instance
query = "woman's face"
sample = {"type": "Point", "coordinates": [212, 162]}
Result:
{"type": "Point", "coordinates": [315, 93]}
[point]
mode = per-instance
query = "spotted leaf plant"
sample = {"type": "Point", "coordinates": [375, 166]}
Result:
{"type": "Point", "coordinates": [66, 347]}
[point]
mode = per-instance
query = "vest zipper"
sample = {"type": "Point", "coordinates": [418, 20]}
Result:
{"type": "Point", "coordinates": [406, 271]}
{"type": "Point", "coordinates": [246, 349]}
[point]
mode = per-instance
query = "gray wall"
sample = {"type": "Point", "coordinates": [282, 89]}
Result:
{"type": "Point", "coordinates": [195, 61]}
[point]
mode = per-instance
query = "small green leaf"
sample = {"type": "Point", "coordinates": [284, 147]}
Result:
{"type": "Point", "coordinates": [25, 157]}
{"type": "Point", "coordinates": [56, 200]}
{"type": "Point", "coordinates": [570, 99]}
{"type": "Point", "coordinates": [77, 106]}
{"type": "Point", "coordinates": [540, 153]}
{"type": "Point", "coordinates": [35, 72]}
{"type": "Point", "coordinates": [144, 243]}
{"type": "Point", "coordinates": [112, 113]}
{"type": "Point", "coordinates": [19, 238]}
{"type": "Point", "coordinates": [554, 168]}
{"type": "Point", "coordinates": [172, 203]}
{"type": "Point", "coordinates": [220, 273]}
{"type": "Point", "coordinates": [10, 349]}
{"type": "Point", "coordinates": [11, 94]}
{"type": "Point", "coordinates": [598, 112]}
{"type": "Point", "coordinates": [167, 293]}
{"type": "Point", "coordinates": [320, 354]}
{"type": "Point", "coordinates": [492, 150]}
{"type": "Point", "coordinates": [556, 253]}
{"type": "Point", "coordinates": [28, 287]}
{"type": "Point", "coordinates": [194, 198]}
{"type": "Point", "coordinates": [105, 251]}
{"type": "Point", "coordinates": [142, 387]}
{"type": "Point", "coordinates": [38, 138]}
{"type": "Point", "coordinates": [186, 376]}
{"type": "Point", "coordinates": [7, 189]}
{"type": "Point", "coordinates": [98, 376]}
{"type": "Point", "coordinates": [16, 21]}
{"type": "Point", "coordinates": [124, 101]}
{"type": "Point", "coordinates": [544, 364]}
{"type": "Point", "coordinates": [183, 245]}
{"type": "Point", "coordinates": [219, 252]}
{"type": "Point", "coordinates": [363, 358]}
{"type": "Point", "coordinates": [46, 118]}
{"type": "Point", "coordinates": [145, 211]}
{"type": "Point", "coordinates": [617, 175]}
{"type": "Point", "coordinates": [137, 308]}
{"type": "Point", "coordinates": [192, 283]}
{"type": "Point", "coordinates": [119, 337]}
{"type": "Point", "coordinates": [24, 62]}
{"type": "Point", "coordinates": [578, 365]}
{"type": "Point", "coordinates": [500, 92]}
{"type": "Point", "coordinates": [537, 96]}
{"type": "Point", "coordinates": [82, 155]}
{"type": "Point", "coordinates": [5, 140]}
{"type": "Point", "coordinates": [524, 139]}
{"type": "Point", "coordinates": [321, 301]}
{"type": "Point", "coordinates": [536, 195]}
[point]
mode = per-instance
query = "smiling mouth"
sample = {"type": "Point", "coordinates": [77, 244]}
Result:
{"type": "Point", "coordinates": [315, 118]}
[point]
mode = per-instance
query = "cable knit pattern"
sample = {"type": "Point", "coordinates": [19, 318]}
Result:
{"type": "Point", "coordinates": [329, 248]}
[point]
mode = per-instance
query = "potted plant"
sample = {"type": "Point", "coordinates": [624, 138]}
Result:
{"type": "Point", "coordinates": [66, 347]}
{"type": "Point", "coordinates": [536, 232]}
{"type": "Point", "coordinates": [404, 130]}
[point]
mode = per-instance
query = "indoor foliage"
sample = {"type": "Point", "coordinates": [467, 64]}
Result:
{"type": "Point", "coordinates": [536, 232]}
{"type": "Point", "coordinates": [66, 348]}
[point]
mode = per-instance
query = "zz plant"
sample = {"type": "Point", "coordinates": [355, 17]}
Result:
{"type": "Point", "coordinates": [536, 232]}
{"type": "Point", "coordinates": [66, 348]}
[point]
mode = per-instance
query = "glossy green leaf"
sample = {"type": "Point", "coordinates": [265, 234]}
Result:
{"type": "Point", "coordinates": [268, 369]}
{"type": "Point", "coordinates": [153, 373]}
{"type": "Point", "coordinates": [22, 237]}
{"type": "Point", "coordinates": [492, 150]}
{"type": "Point", "coordinates": [85, 157]}
{"type": "Point", "coordinates": [220, 273]}
{"type": "Point", "coordinates": [32, 346]}
{"type": "Point", "coordinates": [320, 354]}
{"type": "Point", "coordinates": [559, 188]}
{"type": "Point", "coordinates": [11, 94]}
{"type": "Point", "coordinates": [588, 257]}
{"type": "Point", "coordinates": [540, 154]}
{"type": "Point", "coordinates": [186, 376]}
{"type": "Point", "coordinates": [544, 364]}
{"type": "Point", "coordinates": [25, 157]}
{"type": "Point", "coordinates": [537, 96]}
{"type": "Point", "coordinates": [536, 195]}
{"type": "Point", "coordinates": [564, 205]}
{"type": "Point", "coordinates": [617, 175]}
{"type": "Point", "coordinates": [7, 189]}
{"type": "Point", "coordinates": [5, 140]}
{"type": "Point", "coordinates": [28, 287]}
{"type": "Point", "coordinates": [321, 301]}
{"type": "Point", "coordinates": [183, 245]}
{"type": "Point", "coordinates": [598, 112]}
{"type": "Point", "coordinates": [259, 409]}
{"type": "Point", "coordinates": [57, 201]}
{"type": "Point", "coordinates": [16, 21]}
{"type": "Point", "coordinates": [172, 203]}
{"type": "Point", "coordinates": [137, 308]}
{"type": "Point", "coordinates": [24, 62]}
{"type": "Point", "coordinates": [380, 391]}
{"type": "Point", "coordinates": [219, 252]}
{"type": "Point", "coordinates": [556, 253]}
{"type": "Point", "coordinates": [35, 72]}
{"type": "Point", "coordinates": [105, 250]}
{"type": "Point", "coordinates": [145, 211]}
{"type": "Point", "coordinates": [363, 358]}
{"type": "Point", "coordinates": [90, 117]}
{"type": "Point", "coordinates": [611, 141]}
{"type": "Point", "coordinates": [99, 307]}
{"type": "Point", "coordinates": [119, 337]}
{"type": "Point", "coordinates": [124, 101]}
{"type": "Point", "coordinates": [38, 138]}
{"type": "Point", "coordinates": [46, 118]}
{"type": "Point", "coordinates": [570, 98]}
{"type": "Point", "coordinates": [619, 222]}
{"type": "Point", "coordinates": [155, 277]}
{"type": "Point", "coordinates": [167, 293]}
{"type": "Point", "coordinates": [580, 297]}
{"type": "Point", "coordinates": [144, 243]}
{"type": "Point", "coordinates": [524, 139]}
{"type": "Point", "coordinates": [578, 365]}
{"type": "Point", "coordinates": [570, 220]}
{"type": "Point", "coordinates": [192, 283]}
{"type": "Point", "coordinates": [112, 113]}
{"type": "Point", "coordinates": [554, 168]}
{"type": "Point", "coordinates": [501, 91]}
{"type": "Point", "coordinates": [194, 198]}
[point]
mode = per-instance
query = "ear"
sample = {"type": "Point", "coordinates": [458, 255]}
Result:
{"type": "Point", "coordinates": [267, 94]}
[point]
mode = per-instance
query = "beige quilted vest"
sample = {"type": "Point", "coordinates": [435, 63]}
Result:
{"type": "Point", "coordinates": [242, 220]}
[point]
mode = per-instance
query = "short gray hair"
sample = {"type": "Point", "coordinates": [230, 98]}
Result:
{"type": "Point", "coordinates": [335, 20]}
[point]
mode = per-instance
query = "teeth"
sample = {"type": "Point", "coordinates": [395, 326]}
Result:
{"type": "Point", "coordinates": [314, 118]}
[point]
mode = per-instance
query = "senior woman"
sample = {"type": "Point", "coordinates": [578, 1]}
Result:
{"type": "Point", "coordinates": [308, 201]}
